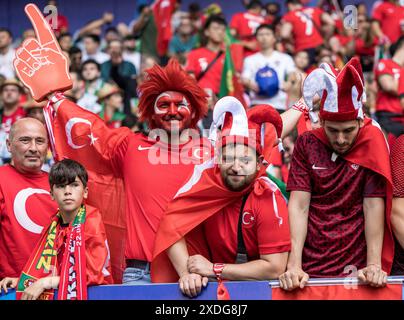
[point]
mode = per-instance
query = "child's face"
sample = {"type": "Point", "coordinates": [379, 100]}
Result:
{"type": "Point", "coordinates": [69, 197]}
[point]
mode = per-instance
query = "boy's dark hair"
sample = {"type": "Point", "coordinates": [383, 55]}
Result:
{"type": "Point", "coordinates": [90, 61]}
{"type": "Point", "coordinates": [74, 50]}
{"type": "Point", "coordinates": [265, 26]}
{"type": "Point", "coordinates": [215, 18]}
{"type": "Point", "coordinates": [65, 172]}
{"type": "Point", "coordinates": [64, 34]}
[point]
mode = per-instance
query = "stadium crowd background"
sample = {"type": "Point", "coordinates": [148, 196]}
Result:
{"type": "Point", "coordinates": [108, 58]}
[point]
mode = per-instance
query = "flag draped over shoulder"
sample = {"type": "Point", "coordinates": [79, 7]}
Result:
{"type": "Point", "coordinates": [73, 134]}
{"type": "Point", "coordinates": [371, 151]}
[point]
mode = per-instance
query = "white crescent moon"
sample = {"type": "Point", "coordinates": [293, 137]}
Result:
{"type": "Point", "coordinates": [20, 211]}
{"type": "Point", "coordinates": [244, 222]}
{"type": "Point", "coordinates": [197, 153]}
{"type": "Point", "coordinates": [69, 127]}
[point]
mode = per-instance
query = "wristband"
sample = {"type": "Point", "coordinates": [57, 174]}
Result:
{"type": "Point", "coordinates": [57, 96]}
{"type": "Point", "coordinates": [218, 269]}
{"type": "Point", "coordinates": [301, 106]}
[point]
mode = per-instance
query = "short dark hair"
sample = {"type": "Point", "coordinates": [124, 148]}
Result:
{"type": "Point", "coordinates": [64, 34]}
{"type": "Point", "coordinates": [92, 61]}
{"type": "Point", "coordinates": [254, 4]}
{"type": "Point", "coordinates": [293, 2]}
{"type": "Point", "coordinates": [94, 37]}
{"type": "Point", "coordinates": [7, 31]}
{"type": "Point", "coordinates": [65, 172]}
{"type": "Point", "coordinates": [74, 50]}
{"type": "Point", "coordinates": [265, 26]}
{"type": "Point", "coordinates": [214, 18]}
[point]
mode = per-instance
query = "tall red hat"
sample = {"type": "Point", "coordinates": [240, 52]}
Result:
{"type": "Point", "coordinates": [342, 93]}
{"type": "Point", "coordinates": [239, 126]}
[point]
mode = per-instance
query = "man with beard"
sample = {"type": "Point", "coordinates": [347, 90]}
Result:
{"type": "Point", "coordinates": [235, 205]}
{"type": "Point", "coordinates": [340, 185]}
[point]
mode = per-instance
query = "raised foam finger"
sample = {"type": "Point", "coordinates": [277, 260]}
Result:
{"type": "Point", "coordinates": [23, 70]}
{"type": "Point", "coordinates": [43, 31]}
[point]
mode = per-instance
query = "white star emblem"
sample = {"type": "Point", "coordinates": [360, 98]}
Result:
{"type": "Point", "coordinates": [93, 139]}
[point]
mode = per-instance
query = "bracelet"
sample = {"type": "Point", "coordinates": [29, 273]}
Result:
{"type": "Point", "coordinates": [218, 269]}
{"type": "Point", "coordinates": [57, 96]}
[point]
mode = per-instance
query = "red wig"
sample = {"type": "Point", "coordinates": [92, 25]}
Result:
{"type": "Point", "coordinates": [170, 78]}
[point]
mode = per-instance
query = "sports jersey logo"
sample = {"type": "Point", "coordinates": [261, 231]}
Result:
{"type": "Point", "coordinates": [355, 166]}
{"type": "Point", "coordinates": [140, 148]}
{"type": "Point", "coordinates": [20, 211]}
{"type": "Point", "coordinates": [314, 167]}
{"type": "Point", "coordinates": [248, 218]}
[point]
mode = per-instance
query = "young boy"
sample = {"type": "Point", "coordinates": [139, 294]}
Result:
{"type": "Point", "coordinates": [72, 253]}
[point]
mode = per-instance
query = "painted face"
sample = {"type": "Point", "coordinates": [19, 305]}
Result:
{"type": "Point", "coordinates": [172, 112]}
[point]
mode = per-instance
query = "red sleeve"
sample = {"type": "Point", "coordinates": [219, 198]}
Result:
{"type": "Point", "coordinates": [273, 233]}
{"type": "Point", "coordinates": [191, 65]}
{"type": "Point", "coordinates": [397, 167]}
{"type": "Point", "coordinates": [97, 255]}
{"type": "Point", "coordinates": [378, 13]}
{"type": "Point", "coordinates": [401, 84]}
{"type": "Point", "coordinates": [97, 147]}
{"type": "Point", "coordinates": [383, 67]}
{"type": "Point", "coordinates": [299, 174]}
{"type": "Point", "coordinates": [235, 21]}
{"type": "Point", "coordinates": [375, 186]}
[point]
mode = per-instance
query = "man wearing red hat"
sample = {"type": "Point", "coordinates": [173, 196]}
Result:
{"type": "Point", "coordinates": [240, 212]}
{"type": "Point", "coordinates": [340, 183]}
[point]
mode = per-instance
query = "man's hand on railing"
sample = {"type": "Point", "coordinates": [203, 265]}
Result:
{"type": "Point", "coordinates": [293, 278]}
{"type": "Point", "coordinates": [373, 275]}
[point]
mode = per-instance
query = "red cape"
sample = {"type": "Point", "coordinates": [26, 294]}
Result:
{"type": "Point", "coordinates": [371, 151]}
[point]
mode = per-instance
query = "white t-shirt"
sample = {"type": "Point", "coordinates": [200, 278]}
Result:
{"type": "Point", "coordinates": [100, 57]}
{"type": "Point", "coordinates": [282, 63]}
{"type": "Point", "coordinates": [6, 64]}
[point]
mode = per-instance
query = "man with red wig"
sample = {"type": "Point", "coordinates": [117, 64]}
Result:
{"type": "Point", "coordinates": [242, 213]}
{"type": "Point", "coordinates": [341, 191]}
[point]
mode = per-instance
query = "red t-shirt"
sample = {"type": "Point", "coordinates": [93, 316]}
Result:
{"type": "Point", "coordinates": [198, 60]}
{"type": "Point", "coordinates": [390, 17]}
{"type": "Point", "coordinates": [265, 231]}
{"type": "Point", "coordinates": [8, 121]}
{"type": "Point", "coordinates": [362, 50]}
{"type": "Point", "coordinates": [245, 23]}
{"type": "Point", "coordinates": [386, 101]}
{"type": "Point", "coordinates": [25, 210]}
{"type": "Point", "coordinates": [397, 166]}
{"type": "Point", "coordinates": [305, 33]}
{"type": "Point", "coordinates": [149, 171]}
{"type": "Point", "coordinates": [335, 233]}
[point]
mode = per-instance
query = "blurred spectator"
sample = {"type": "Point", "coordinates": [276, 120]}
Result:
{"type": "Point", "coordinates": [389, 112]}
{"type": "Point", "coordinates": [111, 34]}
{"type": "Point", "coordinates": [301, 27]}
{"type": "Point", "coordinates": [110, 97]}
{"type": "Point", "coordinates": [144, 29]}
{"type": "Point", "coordinates": [206, 63]}
{"type": "Point", "coordinates": [177, 15]}
{"type": "Point", "coordinates": [388, 21]}
{"type": "Point", "coordinates": [10, 91]}
{"type": "Point", "coordinates": [244, 24]}
{"type": "Point", "coordinates": [76, 92]}
{"type": "Point", "coordinates": [7, 54]}
{"type": "Point", "coordinates": [62, 25]}
{"type": "Point", "coordinates": [265, 72]}
{"type": "Point", "coordinates": [130, 52]}
{"type": "Point", "coordinates": [28, 33]}
{"type": "Point", "coordinates": [34, 109]}
{"type": "Point", "coordinates": [288, 146]}
{"type": "Point", "coordinates": [65, 41]}
{"type": "Point", "coordinates": [92, 49]}
{"type": "Point", "coordinates": [75, 57]}
{"type": "Point", "coordinates": [196, 16]}
{"type": "Point", "coordinates": [293, 83]}
{"type": "Point", "coordinates": [362, 9]}
{"type": "Point", "coordinates": [122, 72]}
{"type": "Point", "coordinates": [183, 41]}
{"type": "Point", "coordinates": [93, 83]}
{"type": "Point", "coordinates": [94, 27]}
{"type": "Point", "coordinates": [272, 10]}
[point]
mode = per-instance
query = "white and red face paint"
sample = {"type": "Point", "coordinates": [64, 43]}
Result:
{"type": "Point", "coordinates": [172, 111]}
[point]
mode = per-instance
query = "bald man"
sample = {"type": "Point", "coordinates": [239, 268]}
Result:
{"type": "Point", "coordinates": [25, 204]}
